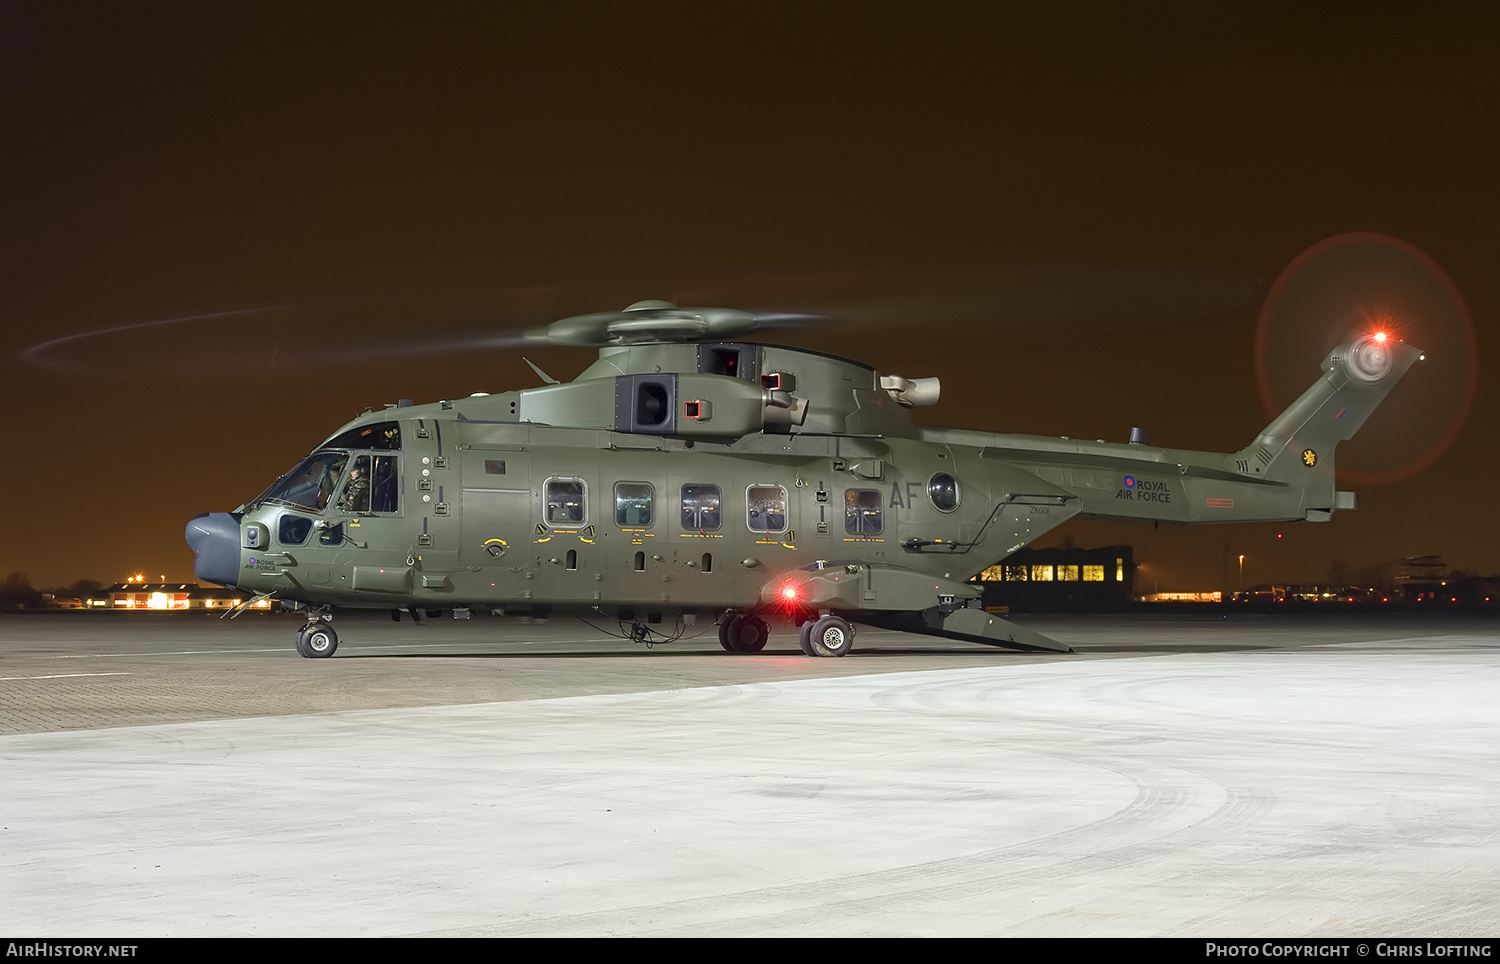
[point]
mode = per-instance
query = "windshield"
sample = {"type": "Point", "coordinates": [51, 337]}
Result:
{"type": "Point", "coordinates": [310, 484]}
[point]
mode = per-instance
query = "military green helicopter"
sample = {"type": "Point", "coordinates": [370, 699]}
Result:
{"type": "Point", "coordinates": [688, 475]}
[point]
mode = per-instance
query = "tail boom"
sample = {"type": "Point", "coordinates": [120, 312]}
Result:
{"type": "Point", "coordinates": [1285, 474]}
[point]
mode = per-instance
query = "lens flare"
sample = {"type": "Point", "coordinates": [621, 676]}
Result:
{"type": "Point", "coordinates": [1378, 290]}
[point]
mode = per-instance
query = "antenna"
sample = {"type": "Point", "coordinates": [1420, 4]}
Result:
{"type": "Point", "coordinates": [539, 373]}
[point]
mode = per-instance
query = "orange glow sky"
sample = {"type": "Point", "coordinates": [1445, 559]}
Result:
{"type": "Point", "coordinates": [1071, 220]}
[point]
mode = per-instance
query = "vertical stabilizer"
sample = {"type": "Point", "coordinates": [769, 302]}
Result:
{"type": "Point", "coordinates": [1297, 447]}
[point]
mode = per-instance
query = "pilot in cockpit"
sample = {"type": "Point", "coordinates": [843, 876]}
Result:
{"type": "Point", "coordinates": [356, 494]}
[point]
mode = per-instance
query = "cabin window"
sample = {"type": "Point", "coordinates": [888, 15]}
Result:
{"type": "Point", "coordinates": [701, 507]}
{"type": "Point", "coordinates": [943, 490]}
{"type": "Point", "coordinates": [634, 502]}
{"type": "Point", "coordinates": [863, 514]}
{"type": "Point", "coordinates": [765, 508]}
{"type": "Point", "coordinates": [565, 502]}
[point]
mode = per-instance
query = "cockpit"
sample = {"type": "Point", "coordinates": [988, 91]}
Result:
{"type": "Point", "coordinates": [341, 477]}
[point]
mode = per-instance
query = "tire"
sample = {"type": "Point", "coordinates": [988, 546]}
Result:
{"type": "Point", "coordinates": [302, 645]}
{"type": "Point", "coordinates": [831, 636]}
{"type": "Point", "coordinates": [804, 638]}
{"type": "Point", "coordinates": [744, 634]}
{"type": "Point", "coordinates": [318, 642]}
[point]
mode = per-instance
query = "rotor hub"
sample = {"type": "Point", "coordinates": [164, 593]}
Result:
{"type": "Point", "coordinates": [649, 322]}
{"type": "Point", "coordinates": [1369, 359]}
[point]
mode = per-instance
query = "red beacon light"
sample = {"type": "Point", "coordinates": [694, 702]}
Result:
{"type": "Point", "coordinates": [790, 598]}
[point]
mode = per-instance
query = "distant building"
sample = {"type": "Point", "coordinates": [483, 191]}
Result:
{"type": "Point", "coordinates": [1421, 577]}
{"type": "Point", "coordinates": [1064, 578]}
{"type": "Point", "coordinates": [1305, 593]}
{"type": "Point", "coordinates": [159, 596]}
{"type": "Point", "coordinates": [1195, 597]}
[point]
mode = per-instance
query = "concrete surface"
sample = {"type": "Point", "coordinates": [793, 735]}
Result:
{"type": "Point", "coordinates": [1176, 777]}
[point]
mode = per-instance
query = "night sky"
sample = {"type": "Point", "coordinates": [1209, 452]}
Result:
{"type": "Point", "coordinates": [1073, 220]}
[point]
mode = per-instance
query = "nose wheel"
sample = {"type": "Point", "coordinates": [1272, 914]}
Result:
{"type": "Point", "coordinates": [826, 636]}
{"type": "Point", "coordinates": [317, 640]}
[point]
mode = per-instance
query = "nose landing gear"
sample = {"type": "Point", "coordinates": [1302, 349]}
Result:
{"type": "Point", "coordinates": [827, 635]}
{"type": "Point", "coordinates": [317, 640]}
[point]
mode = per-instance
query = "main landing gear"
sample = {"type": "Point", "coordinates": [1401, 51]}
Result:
{"type": "Point", "coordinates": [317, 640]}
{"type": "Point", "coordinates": [743, 633]}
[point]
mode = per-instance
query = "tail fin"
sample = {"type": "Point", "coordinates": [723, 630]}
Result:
{"type": "Point", "coordinates": [1297, 447]}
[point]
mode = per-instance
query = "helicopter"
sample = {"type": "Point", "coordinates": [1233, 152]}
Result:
{"type": "Point", "coordinates": [690, 474]}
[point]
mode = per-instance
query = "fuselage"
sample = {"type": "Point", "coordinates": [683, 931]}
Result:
{"type": "Point", "coordinates": [686, 477]}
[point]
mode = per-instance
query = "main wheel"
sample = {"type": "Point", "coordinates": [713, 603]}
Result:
{"type": "Point", "coordinates": [831, 636]}
{"type": "Point", "coordinates": [318, 642]}
{"type": "Point", "coordinates": [744, 633]}
{"type": "Point", "coordinates": [804, 638]}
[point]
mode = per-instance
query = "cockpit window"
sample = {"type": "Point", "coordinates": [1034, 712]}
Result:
{"type": "Point", "coordinates": [292, 530]}
{"type": "Point", "coordinates": [311, 484]}
{"type": "Point", "coordinates": [370, 484]}
{"type": "Point", "coordinates": [384, 485]}
{"type": "Point", "coordinates": [355, 495]}
{"type": "Point", "coordinates": [377, 435]}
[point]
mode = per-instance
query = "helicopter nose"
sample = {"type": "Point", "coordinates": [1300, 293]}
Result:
{"type": "Point", "coordinates": [214, 538]}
